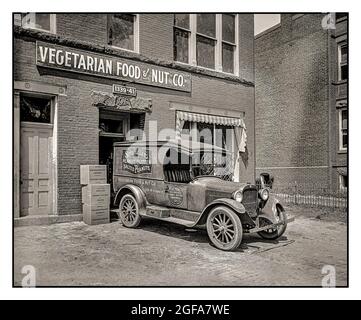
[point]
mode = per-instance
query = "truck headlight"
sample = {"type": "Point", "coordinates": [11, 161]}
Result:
{"type": "Point", "coordinates": [238, 196]}
{"type": "Point", "coordinates": [264, 193]}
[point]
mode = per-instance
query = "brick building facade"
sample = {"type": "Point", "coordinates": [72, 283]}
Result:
{"type": "Point", "coordinates": [64, 103]}
{"type": "Point", "coordinates": [299, 98]}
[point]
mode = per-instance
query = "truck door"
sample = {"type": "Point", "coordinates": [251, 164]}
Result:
{"type": "Point", "coordinates": [176, 179]}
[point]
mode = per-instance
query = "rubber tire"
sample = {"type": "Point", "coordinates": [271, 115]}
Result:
{"type": "Point", "coordinates": [234, 244]}
{"type": "Point", "coordinates": [135, 223]}
{"type": "Point", "coordinates": [277, 233]}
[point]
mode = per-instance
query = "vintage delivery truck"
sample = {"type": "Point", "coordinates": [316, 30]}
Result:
{"type": "Point", "coordinates": [184, 182]}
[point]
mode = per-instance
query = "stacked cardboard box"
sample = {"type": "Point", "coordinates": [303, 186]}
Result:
{"type": "Point", "coordinates": [95, 194]}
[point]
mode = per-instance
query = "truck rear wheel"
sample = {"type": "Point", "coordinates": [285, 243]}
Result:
{"type": "Point", "coordinates": [224, 228]}
{"type": "Point", "coordinates": [129, 211]}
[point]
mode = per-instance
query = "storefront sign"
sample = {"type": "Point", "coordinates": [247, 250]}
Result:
{"type": "Point", "coordinates": [123, 90]}
{"type": "Point", "coordinates": [74, 60]}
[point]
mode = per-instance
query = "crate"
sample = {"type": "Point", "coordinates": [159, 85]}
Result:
{"type": "Point", "coordinates": [93, 215]}
{"type": "Point", "coordinates": [96, 194]}
{"type": "Point", "coordinates": [93, 174]}
{"type": "Point", "coordinates": [99, 202]}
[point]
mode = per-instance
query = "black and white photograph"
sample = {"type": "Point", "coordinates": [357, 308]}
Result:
{"type": "Point", "coordinates": [181, 157]}
{"type": "Point", "coordinates": [180, 149]}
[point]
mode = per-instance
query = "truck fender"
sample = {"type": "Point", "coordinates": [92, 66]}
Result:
{"type": "Point", "coordinates": [270, 209]}
{"type": "Point", "coordinates": [134, 191]}
{"type": "Point", "coordinates": [230, 203]}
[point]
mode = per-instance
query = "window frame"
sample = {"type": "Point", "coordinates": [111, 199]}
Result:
{"type": "Point", "coordinates": [39, 95]}
{"type": "Point", "coordinates": [192, 44]}
{"type": "Point", "coordinates": [52, 23]}
{"type": "Point", "coordinates": [114, 116]}
{"type": "Point", "coordinates": [234, 45]}
{"type": "Point", "coordinates": [341, 130]}
{"type": "Point", "coordinates": [210, 38]}
{"type": "Point", "coordinates": [340, 62]}
{"type": "Point", "coordinates": [175, 27]}
{"type": "Point", "coordinates": [136, 33]}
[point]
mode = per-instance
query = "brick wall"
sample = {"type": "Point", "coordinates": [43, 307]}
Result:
{"type": "Point", "coordinates": [246, 47]}
{"type": "Point", "coordinates": [338, 94]}
{"type": "Point", "coordinates": [292, 103]}
{"type": "Point", "coordinates": [77, 119]}
{"type": "Point", "coordinates": [156, 36]}
{"type": "Point", "coordinates": [306, 179]}
{"type": "Point", "coordinates": [83, 26]}
{"type": "Point", "coordinates": [77, 125]}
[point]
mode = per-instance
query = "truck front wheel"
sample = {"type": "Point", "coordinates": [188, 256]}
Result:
{"type": "Point", "coordinates": [224, 228]}
{"type": "Point", "coordinates": [273, 233]}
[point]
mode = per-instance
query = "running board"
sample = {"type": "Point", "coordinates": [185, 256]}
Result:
{"type": "Point", "coordinates": [182, 217]}
{"type": "Point", "coordinates": [174, 215]}
{"type": "Point", "coordinates": [157, 212]}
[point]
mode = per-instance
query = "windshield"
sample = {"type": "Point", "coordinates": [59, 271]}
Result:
{"type": "Point", "coordinates": [212, 164]}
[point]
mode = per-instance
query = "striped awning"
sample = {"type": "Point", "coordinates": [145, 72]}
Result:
{"type": "Point", "coordinates": [207, 118]}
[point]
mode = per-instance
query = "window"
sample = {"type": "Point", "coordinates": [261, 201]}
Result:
{"type": "Point", "coordinates": [39, 21]}
{"type": "Point", "coordinates": [214, 134]}
{"type": "Point", "coordinates": [342, 62]}
{"type": "Point", "coordinates": [207, 40]}
{"type": "Point", "coordinates": [343, 129]}
{"type": "Point", "coordinates": [228, 42]}
{"type": "Point", "coordinates": [112, 124]}
{"type": "Point", "coordinates": [35, 109]}
{"type": "Point", "coordinates": [186, 130]}
{"type": "Point", "coordinates": [181, 37]}
{"type": "Point", "coordinates": [123, 31]}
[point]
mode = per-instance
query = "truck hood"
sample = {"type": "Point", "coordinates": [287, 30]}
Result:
{"type": "Point", "coordinates": [219, 185]}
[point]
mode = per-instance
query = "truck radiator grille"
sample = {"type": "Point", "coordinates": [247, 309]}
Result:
{"type": "Point", "coordinates": [249, 201]}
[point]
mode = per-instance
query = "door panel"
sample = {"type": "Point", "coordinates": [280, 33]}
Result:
{"type": "Point", "coordinates": [196, 197]}
{"type": "Point", "coordinates": [36, 169]}
{"type": "Point", "coordinates": [176, 195]}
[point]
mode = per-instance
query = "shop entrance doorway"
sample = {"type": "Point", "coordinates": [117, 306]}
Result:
{"type": "Point", "coordinates": [36, 156]}
{"type": "Point", "coordinates": [106, 154]}
{"type": "Point", "coordinates": [113, 126]}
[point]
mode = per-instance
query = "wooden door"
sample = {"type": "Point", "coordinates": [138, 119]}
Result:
{"type": "Point", "coordinates": [36, 169]}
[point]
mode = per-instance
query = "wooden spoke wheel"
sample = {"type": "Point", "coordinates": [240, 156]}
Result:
{"type": "Point", "coordinates": [276, 232]}
{"type": "Point", "coordinates": [224, 228]}
{"type": "Point", "coordinates": [129, 211]}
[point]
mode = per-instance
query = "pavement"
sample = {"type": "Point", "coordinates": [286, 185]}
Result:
{"type": "Point", "coordinates": [164, 254]}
